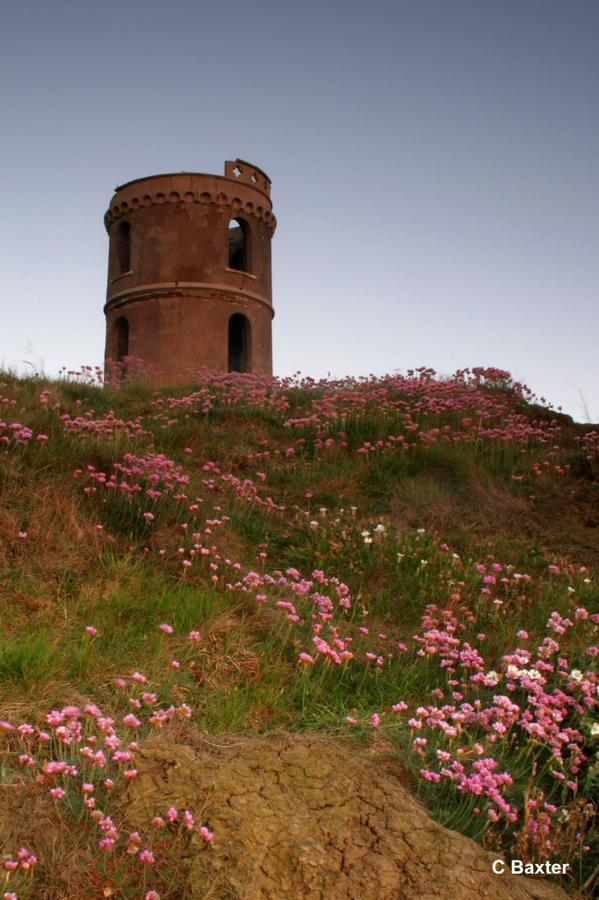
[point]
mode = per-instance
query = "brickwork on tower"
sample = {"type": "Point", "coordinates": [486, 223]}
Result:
{"type": "Point", "coordinates": [189, 273]}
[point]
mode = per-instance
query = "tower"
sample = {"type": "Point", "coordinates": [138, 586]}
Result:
{"type": "Point", "coordinates": [189, 273]}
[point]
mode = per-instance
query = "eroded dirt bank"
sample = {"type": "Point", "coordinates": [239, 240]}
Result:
{"type": "Point", "coordinates": [298, 817]}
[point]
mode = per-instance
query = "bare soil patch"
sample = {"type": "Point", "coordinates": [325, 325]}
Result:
{"type": "Point", "coordinates": [298, 816]}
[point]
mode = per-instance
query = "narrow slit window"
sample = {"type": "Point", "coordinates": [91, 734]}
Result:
{"type": "Point", "coordinates": [121, 329]}
{"type": "Point", "coordinates": [239, 241]}
{"type": "Point", "coordinates": [123, 248]}
{"type": "Point", "coordinates": [239, 344]}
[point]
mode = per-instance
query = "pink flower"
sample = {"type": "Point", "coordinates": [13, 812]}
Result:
{"type": "Point", "coordinates": [206, 834]}
{"type": "Point", "coordinates": [172, 814]}
{"type": "Point", "coordinates": [131, 721]}
{"type": "Point", "coordinates": [553, 570]}
{"type": "Point", "coordinates": [152, 895]}
{"type": "Point", "coordinates": [375, 719]}
{"type": "Point", "coordinates": [195, 636]}
{"type": "Point", "coordinates": [57, 793]}
{"type": "Point", "coordinates": [175, 664]}
{"type": "Point", "coordinates": [168, 629]}
{"type": "Point", "coordinates": [306, 658]}
{"type": "Point", "coordinates": [147, 857]}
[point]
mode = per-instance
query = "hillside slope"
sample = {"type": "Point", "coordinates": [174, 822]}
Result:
{"type": "Point", "coordinates": [407, 565]}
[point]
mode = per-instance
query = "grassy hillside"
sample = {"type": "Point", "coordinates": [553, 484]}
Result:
{"type": "Point", "coordinates": [408, 564]}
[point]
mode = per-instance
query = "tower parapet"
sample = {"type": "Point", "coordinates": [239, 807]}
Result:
{"type": "Point", "coordinates": [189, 272]}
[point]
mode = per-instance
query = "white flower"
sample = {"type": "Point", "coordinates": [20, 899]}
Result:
{"type": "Point", "coordinates": [576, 675]}
{"type": "Point", "coordinates": [595, 729]}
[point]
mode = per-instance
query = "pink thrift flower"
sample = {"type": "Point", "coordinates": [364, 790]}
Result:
{"type": "Point", "coordinates": [306, 658]}
{"type": "Point", "coordinates": [206, 834]}
{"type": "Point", "coordinates": [131, 721]}
{"type": "Point", "coordinates": [57, 793]}
{"type": "Point", "coordinates": [175, 664]}
{"type": "Point", "coordinates": [375, 719]}
{"type": "Point", "coordinates": [172, 814]}
{"type": "Point", "coordinates": [152, 895]}
{"type": "Point", "coordinates": [195, 636]}
{"type": "Point", "coordinates": [147, 857]}
{"type": "Point", "coordinates": [168, 629]}
{"type": "Point", "coordinates": [91, 630]}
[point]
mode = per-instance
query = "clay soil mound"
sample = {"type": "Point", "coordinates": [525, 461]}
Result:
{"type": "Point", "coordinates": [298, 817]}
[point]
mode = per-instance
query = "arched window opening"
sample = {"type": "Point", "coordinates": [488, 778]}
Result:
{"type": "Point", "coordinates": [123, 248]}
{"type": "Point", "coordinates": [239, 343]}
{"type": "Point", "coordinates": [121, 330]}
{"type": "Point", "coordinates": [239, 245]}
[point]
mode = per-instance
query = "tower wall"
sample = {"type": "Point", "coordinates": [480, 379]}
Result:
{"type": "Point", "coordinates": [169, 272]}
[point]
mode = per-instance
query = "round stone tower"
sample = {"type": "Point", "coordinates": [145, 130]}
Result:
{"type": "Point", "coordinates": [189, 273]}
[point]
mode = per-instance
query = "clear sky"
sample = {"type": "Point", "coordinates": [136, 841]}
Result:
{"type": "Point", "coordinates": [435, 169]}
